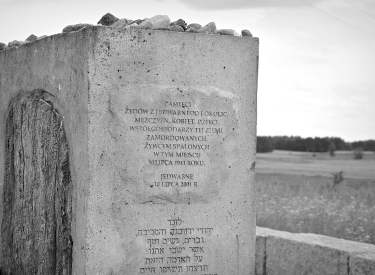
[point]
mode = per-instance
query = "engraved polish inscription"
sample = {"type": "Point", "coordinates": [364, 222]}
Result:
{"type": "Point", "coordinates": [186, 145]}
{"type": "Point", "coordinates": [177, 141]}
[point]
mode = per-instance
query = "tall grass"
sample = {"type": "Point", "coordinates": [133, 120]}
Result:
{"type": "Point", "coordinates": [305, 204]}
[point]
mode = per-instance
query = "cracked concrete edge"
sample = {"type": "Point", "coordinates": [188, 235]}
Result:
{"type": "Point", "coordinates": [279, 252]}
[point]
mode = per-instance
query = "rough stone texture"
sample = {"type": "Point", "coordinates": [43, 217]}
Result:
{"type": "Point", "coordinates": [36, 185]}
{"type": "Point", "coordinates": [158, 21]}
{"type": "Point", "coordinates": [194, 25]}
{"type": "Point", "coordinates": [108, 19]}
{"type": "Point", "coordinates": [179, 22]}
{"type": "Point", "coordinates": [42, 36]}
{"type": "Point", "coordinates": [138, 21]}
{"type": "Point", "coordinates": [191, 30]}
{"type": "Point", "coordinates": [15, 43]}
{"type": "Point", "coordinates": [2, 46]}
{"type": "Point", "coordinates": [303, 258]}
{"type": "Point", "coordinates": [225, 32]}
{"type": "Point", "coordinates": [287, 253]}
{"type": "Point", "coordinates": [164, 29]}
{"type": "Point", "coordinates": [57, 65]}
{"type": "Point", "coordinates": [31, 38]}
{"type": "Point", "coordinates": [246, 33]}
{"type": "Point", "coordinates": [177, 28]}
{"type": "Point", "coordinates": [122, 23]}
{"type": "Point", "coordinates": [209, 28]}
{"type": "Point", "coordinates": [121, 211]}
{"type": "Point", "coordinates": [260, 255]}
{"type": "Point", "coordinates": [132, 25]}
{"type": "Point", "coordinates": [145, 25]}
{"type": "Point", "coordinates": [362, 264]}
{"type": "Point", "coordinates": [76, 27]}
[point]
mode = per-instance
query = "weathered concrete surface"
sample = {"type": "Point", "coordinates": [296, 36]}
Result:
{"type": "Point", "coordinates": [58, 65]}
{"type": "Point", "coordinates": [127, 219]}
{"type": "Point", "coordinates": [260, 255]}
{"type": "Point", "coordinates": [287, 253]}
{"type": "Point", "coordinates": [142, 69]}
{"type": "Point", "coordinates": [362, 264]}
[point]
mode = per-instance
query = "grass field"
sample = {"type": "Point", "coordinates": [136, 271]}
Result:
{"type": "Point", "coordinates": [295, 193]}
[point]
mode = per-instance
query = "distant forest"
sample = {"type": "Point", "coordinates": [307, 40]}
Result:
{"type": "Point", "coordinates": [295, 143]}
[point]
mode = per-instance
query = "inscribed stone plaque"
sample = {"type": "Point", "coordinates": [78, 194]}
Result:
{"type": "Point", "coordinates": [176, 146]}
{"type": "Point", "coordinates": [179, 142]}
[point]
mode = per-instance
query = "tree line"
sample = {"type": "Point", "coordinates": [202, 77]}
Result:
{"type": "Point", "coordinates": [296, 143]}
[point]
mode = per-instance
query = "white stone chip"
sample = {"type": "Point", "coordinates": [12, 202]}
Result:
{"type": "Point", "coordinates": [15, 43]}
{"type": "Point", "coordinates": [145, 25]}
{"type": "Point", "coordinates": [225, 32]}
{"type": "Point", "coordinates": [159, 21]}
{"type": "Point", "coordinates": [122, 23]}
{"type": "Point", "coordinates": [209, 28]}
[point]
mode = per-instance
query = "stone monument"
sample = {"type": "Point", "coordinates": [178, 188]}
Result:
{"type": "Point", "coordinates": [128, 151]}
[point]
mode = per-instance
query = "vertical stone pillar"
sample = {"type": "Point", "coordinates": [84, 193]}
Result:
{"type": "Point", "coordinates": [172, 150]}
{"type": "Point", "coordinates": [162, 151]}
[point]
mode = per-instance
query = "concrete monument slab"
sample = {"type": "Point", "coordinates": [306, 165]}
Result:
{"type": "Point", "coordinates": [161, 130]}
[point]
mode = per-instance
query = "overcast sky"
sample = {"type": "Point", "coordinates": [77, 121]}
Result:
{"type": "Point", "coordinates": [317, 57]}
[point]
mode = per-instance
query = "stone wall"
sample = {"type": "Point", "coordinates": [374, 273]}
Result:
{"type": "Point", "coordinates": [284, 253]}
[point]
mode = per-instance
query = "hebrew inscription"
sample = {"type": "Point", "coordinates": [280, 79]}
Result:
{"type": "Point", "coordinates": [176, 249]}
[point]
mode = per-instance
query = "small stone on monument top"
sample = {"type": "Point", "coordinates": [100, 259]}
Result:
{"type": "Point", "coordinates": [31, 38]}
{"type": "Point", "coordinates": [191, 30]}
{"type": "Point", "coordinates": [2, 46]}
{"type": "Point", "coordinates": [76, 27]}
{"type": "Point", "coordinates": [177, 28]}
{"type": "Point", "coordinates": [131, 25]}
{"type": "Point", "coordinates": [15, 43]}
{"type": "Point", "coordinates": [138, 21]}
{"type": "Point", "coordinates": [108, 19]}
{"type": "Point", "coordinates": [246, 33]}
{"type": "Point", "coordinates": [209, 28]}
{"type": "Point", "coordinates": [158, 21]}
{"type": "Point", "coordinates": [144, 25]}
{"type": "Point", "coordinates": [194, 27]}
{"type": "Point", "coordinates": [179, 22]}
{"type": "Point", "coordinates": [225, 32]}
{"type": "Point", "coordinates": [122, 23]}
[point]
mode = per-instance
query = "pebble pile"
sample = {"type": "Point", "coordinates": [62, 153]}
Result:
{"type": "Point", "coordinates": [158, 22]}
